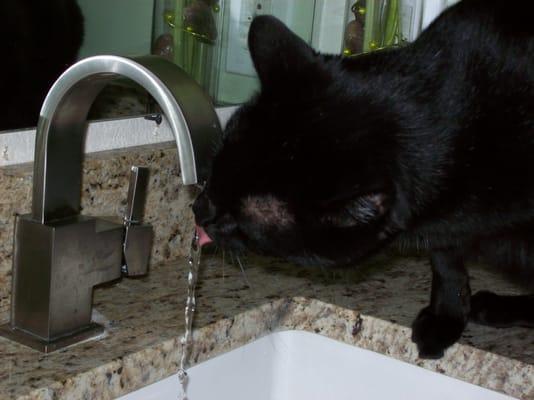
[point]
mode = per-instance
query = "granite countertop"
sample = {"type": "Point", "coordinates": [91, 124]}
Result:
{"type": "Point", "coordinates": [144, 320]}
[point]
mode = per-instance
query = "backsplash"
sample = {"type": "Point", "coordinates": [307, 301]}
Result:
{"type": "Point", "coordinates": [105, 186]}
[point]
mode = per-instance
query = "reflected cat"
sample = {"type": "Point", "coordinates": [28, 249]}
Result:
{"type": "Point", "coordinates": [38, 41]}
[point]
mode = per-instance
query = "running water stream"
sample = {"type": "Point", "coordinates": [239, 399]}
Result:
{"type": "Point", "coordinates": [187, 339]}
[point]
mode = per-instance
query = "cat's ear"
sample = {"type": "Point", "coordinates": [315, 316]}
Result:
{"type": "Point", "coordinates": [278, 54]}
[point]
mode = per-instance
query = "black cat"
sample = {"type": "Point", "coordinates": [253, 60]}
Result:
{"type": "Point", "coordinates": [431, 144]}
{"type": "Point", "coordinates": [38, 41]}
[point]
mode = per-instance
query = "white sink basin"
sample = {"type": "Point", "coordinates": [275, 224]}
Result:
{"type": "Point", "coordinates": [296, 365]}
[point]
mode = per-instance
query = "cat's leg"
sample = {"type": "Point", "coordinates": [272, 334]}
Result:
{"type": "Point", "coordinates": [441, 324]}
{"type": "Point", "coordinates": [502, 311]}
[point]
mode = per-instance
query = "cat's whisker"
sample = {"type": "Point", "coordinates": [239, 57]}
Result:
{"type": "Point", "coordinates": [243, 272]}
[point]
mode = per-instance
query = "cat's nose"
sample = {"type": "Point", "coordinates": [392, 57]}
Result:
{"type": "Point", "coordinates": [204, 210]}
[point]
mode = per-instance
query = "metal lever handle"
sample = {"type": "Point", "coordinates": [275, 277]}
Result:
{"type": "Point", "coordinates": [136, 195]}
{"type": "Point", "coordinates": [138, 237]}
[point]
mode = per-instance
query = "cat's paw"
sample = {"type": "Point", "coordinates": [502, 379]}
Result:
{"type": "Point", "coordinates": [433, 333]}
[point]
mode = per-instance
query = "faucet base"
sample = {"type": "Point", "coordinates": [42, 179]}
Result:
{"type": "Point", "coordinates": [47, 346]}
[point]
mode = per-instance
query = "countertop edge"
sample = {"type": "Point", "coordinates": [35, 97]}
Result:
{"type": "Point", "coordinates": [136, 370]}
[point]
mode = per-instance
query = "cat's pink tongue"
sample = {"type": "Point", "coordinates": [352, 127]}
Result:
{"type": "Point", "coordinates": [203, 237]}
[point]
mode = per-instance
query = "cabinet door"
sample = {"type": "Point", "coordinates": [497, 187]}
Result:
{"type": "Point", "coordinates": [235, 78]}
{"type": "Point", "coordinates": [120, 27]}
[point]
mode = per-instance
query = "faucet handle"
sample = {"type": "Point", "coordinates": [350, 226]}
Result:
{"type": "Point", "coordinates": [136, 194]}
{"type": "Point", "coordinates": [138, 237]}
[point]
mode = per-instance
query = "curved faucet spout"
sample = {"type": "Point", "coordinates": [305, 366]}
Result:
{"type": "Point", "coordinates": [62, 125]}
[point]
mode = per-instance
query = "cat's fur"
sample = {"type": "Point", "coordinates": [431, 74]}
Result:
{"type": "Point", "coordinates": [431, 144]}
{"type": "Point", "coordinates": [38, 41]}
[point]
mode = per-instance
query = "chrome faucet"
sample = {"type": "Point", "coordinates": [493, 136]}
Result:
{"type": "Point", "coordinates": [59, 255]}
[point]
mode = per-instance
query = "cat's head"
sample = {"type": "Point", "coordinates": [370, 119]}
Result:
{"type": "Point", "coordinates": [304, 168]}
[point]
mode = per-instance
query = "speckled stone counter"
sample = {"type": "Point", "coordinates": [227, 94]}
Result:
{"type": "Point", "coordinates": [144, 318]}
{"type": "Point", "coordinates": [105, 186]}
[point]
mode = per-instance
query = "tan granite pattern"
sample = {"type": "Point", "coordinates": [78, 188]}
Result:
{"type": "Point", "coordinates": [105, 185]}
{"type": "Point", "coordinates": [145, 321]}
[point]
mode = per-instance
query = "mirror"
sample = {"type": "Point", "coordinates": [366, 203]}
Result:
{"type": "Point", "coordinates": [40, 39]}
{"type": "Point", "coordinates": [208, 38]}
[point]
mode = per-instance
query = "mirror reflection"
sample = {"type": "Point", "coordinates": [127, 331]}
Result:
{"type": "Point", "coordinates": [207, 38]}
{"type": "Point", "coordinates": [38, 40]}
